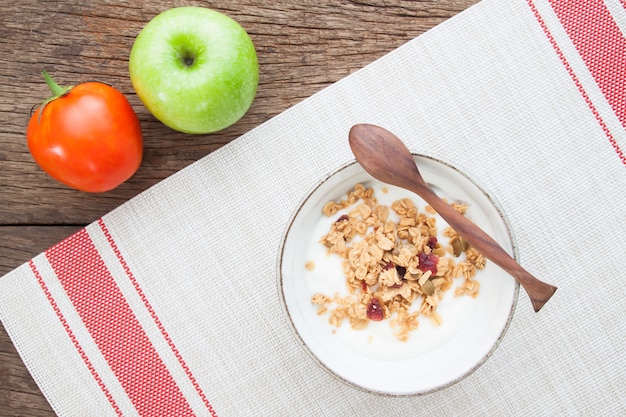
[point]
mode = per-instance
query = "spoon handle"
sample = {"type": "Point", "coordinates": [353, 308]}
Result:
{"type": "Point", "coordinates": [538, 291]}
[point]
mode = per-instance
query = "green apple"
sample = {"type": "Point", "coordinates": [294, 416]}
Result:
{"type": "Point", "coordinates": [195, 69]}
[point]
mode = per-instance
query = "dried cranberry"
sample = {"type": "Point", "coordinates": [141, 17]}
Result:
{"type": "Point", "coordinates": [363, 286]}
{"type": "Point", "coordinates": [375, 311]}
{"type": "Point", "coordinates": [428, 262]}
{"type": "Point", "coordinates": [342, 218]}
{"type": "Point", "coordinates": [401, 271]}
{"type": "Point", "coordinates": [388, 266]}
{"type": "Point", "coordinates": [432, 242]}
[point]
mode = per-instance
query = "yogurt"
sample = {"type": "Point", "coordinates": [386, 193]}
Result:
{"type": "Point", "coordinates": [377, 340]}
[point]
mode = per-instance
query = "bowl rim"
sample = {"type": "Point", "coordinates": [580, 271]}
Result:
{"type": "Point", "coordinates": [296, 333]}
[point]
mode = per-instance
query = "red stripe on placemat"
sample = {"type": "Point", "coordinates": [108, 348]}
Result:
{"type": "Point", "coordinates": [601, 45]}
{"type": "Point", "coordinates": [156, 319]}
{"type": "Point", "coordinates": [69, 332]}
{"type": "Point", "coordinates": [577, 82]}
{"type": "Point", "coordinates": [115, 329]}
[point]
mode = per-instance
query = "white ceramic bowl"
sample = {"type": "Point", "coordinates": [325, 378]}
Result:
{"type": "Point", "coordinates": [372, 359]}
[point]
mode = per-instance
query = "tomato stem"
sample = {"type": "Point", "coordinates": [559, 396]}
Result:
{"type": "Point", "coordinates": [56, 89]}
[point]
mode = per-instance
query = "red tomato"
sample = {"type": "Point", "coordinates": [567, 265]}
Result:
{"type": "Point", "coordinates": [87, 137]}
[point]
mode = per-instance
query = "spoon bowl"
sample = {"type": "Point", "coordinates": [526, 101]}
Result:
{"type": "Point", "coordinates": [385, 157]}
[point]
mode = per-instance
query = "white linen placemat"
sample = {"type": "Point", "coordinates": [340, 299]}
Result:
{"type": "Point", "coordinates": [169, 304]}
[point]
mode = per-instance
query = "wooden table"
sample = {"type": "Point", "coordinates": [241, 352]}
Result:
{"type": "Point", "coordinates": [302, 47]}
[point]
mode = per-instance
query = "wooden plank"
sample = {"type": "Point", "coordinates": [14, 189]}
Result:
{"type": "Point", "coordinates": [302, 48]}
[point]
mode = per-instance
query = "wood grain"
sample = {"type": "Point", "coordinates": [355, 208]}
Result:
{"type": "Point", "coordinates": [302, 48]}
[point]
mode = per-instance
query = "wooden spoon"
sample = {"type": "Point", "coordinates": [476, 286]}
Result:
{"type": "Point", "coordinates": [386, 158]}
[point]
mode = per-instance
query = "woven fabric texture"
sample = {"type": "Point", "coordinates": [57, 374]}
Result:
{"type": "Point", "coordinates": [187, 289]}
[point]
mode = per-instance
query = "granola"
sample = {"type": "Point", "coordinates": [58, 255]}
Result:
{"type": "Point", "coordinates": [395, 268]}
